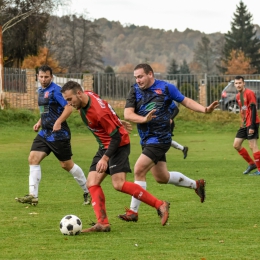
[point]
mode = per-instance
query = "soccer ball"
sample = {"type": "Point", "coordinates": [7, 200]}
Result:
{"type": "Point", "coordinates": [70, 225]}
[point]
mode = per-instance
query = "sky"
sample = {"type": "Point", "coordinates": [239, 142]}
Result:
{"type": "Point", "coordinates": [208, 16]}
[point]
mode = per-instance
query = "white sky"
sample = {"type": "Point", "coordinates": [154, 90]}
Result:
{"type": "Point", "coordinates": [207, 16]}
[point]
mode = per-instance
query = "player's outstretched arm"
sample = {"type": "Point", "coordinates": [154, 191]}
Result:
{"type": "Point", "coordinates": [127, 126]}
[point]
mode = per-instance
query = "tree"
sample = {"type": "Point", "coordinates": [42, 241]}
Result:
{"type": "Point", "coordinates": [27, 21]}
{"type": "Point", "coordinates": [109, 69]}
{"type": "Point", "coordinates": [43, 57]}
{"type": "Point", "coordinates": [242, 37]}
{"type": "Point", "coordinates": [75, 43]}
{"type": "Point", "coordinates": [203, 55]}
{"type": "Point", "coordinates": [239, 64]}
{"type": "Point", "coordinates": [173, 68]}
{"type": "Point", "coordinates": [184, 68]}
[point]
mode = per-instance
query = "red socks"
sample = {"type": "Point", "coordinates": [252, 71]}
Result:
{"type": "Point", "coordinates": [139, 193]}
{"type": "Point", "coordinates": [257, 159]}
{"type": "Point", "coordinates": [98, 204]}
{"type": "Point", "coordinates": [243, 152]}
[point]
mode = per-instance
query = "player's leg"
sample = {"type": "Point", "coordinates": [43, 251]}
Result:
{"type": "Point", "coordinates": [38, 152]}
{"type": "Point", "coordinates": [178, 146]}
{"type": "Point", "coordinates": [98, 201]}
{"type": "Point", "coordinates": [252, 141]}
{"type": "Point", "coordinates": [238, 141]}
{"type": "Point", "coordinates": [62, 151]}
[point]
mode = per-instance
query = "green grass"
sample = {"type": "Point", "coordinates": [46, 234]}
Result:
{"type": "Point", "coordinates": [226, 226]}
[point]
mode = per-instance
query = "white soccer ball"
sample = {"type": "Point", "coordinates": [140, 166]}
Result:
{"type": "Point", "coordinates": [70, 225]}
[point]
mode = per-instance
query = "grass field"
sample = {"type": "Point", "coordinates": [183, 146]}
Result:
{"type": "Point", "coordinates": [226, 226]}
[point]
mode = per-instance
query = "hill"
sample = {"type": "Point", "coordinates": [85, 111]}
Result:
{"type": "Point", "coordinates": [134, 44]}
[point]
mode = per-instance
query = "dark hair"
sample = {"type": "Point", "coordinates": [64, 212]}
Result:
{"type": "Point", "coordinates": [45, 68]}
{"type": "Point", "coordinates": [71, 85]}
{"type": "Point", "coordinates": [239, 77]}
{"type": "Point", "coordinates": [146, 67]}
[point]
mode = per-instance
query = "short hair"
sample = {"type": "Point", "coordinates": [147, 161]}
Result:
{"type": "Point", "coordinates": [240, 77]}
{"type": "Point", "coordinates": [45, 68]}
{"type": "Point", "coordinates": [71, 85]}
{"type": "Point", "coordinates": [146, 67]}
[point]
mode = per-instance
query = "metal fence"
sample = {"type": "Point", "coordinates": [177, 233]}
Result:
{"type": "Point", "coordinates": [115, 86]}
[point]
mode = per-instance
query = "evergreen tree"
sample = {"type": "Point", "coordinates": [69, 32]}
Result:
{"type": "Point", "coordinates": [184, 68]}
{"type": "Point", "coordinates": [173, 68]}
{"type": "Point", "coordinates": [242, 37]}
{"type": "Point", "coordinates": [204, 55]}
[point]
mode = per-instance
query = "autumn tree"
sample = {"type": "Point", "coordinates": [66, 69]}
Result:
{"type": "Point", "coordinates": [75, 43]}
{"type": "Point", "coordinates": [43, 57]}
{"type": "Point", "coordinates": [24, 23]}
{"type": "Point", "coordinates": [242, 37]}
{"type": "Point", "coordinates": [239, 64]}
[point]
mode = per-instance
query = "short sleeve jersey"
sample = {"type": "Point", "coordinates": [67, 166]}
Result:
{"type": "Point", "coordinates": [244, 101]}
{"type": "Point", "coordinates": [51, 104]}
{"type": "Point", "coordinates": [102, 121]}
{"type": "Point", "coordinates": [159, 96]}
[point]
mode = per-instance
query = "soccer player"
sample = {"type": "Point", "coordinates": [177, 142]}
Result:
{"type": "Point", "coordinates": [147, 105]}
{"type": "Point", "coordinates": [174, 110]}
{"type": "Point", "coordinates": [53, 137]}
{"type": "Point", "coordinates": [111, 157]}
{"type": "Point", "coordinates": [246, 100]}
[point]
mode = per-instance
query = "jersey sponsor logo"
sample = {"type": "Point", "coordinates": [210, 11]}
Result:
{"type": "Point", "coordinates": [46, 94]}
{"type": "Point", "coordinates": [244, 108]}
{"type": "Point", "coordinates": [158, 91]}
{"type": "Point", "coordinates": [150, 106]}
{"type": "Point", "coordinates": [140, 195]}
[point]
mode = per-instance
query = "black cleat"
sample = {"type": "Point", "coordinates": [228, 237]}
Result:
{"type": "Point", "coordinates": [185, 152]}
{"type": "Point", "coordinates": [250, 168]}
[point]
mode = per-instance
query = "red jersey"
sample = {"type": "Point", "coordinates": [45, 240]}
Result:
{"type": "Point", "coordinates": [102, 121]}
{"type": "Point", "coordinates": [244, 101]}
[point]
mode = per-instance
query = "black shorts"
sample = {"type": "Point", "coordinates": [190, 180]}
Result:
{"type": "Point", "coordinates": [156, 152]}
{"type": "Point", "coordinates": [118, 162]}
{"type": "Point", "coordinates": [61, 148]}
{"type": "Point", "coordinates": [243, 133]}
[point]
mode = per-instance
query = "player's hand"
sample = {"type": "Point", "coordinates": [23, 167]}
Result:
{"type": "Point", "coordinates": [36, 127]}
{"type": "Point", "coordinates": [127, 126]}
{"type": "Point", "coordinates": [56, 127]}
{"type": "Point", "coordinates": [150, 116]}
{"type": "Point", "coordinates": [211, 107]}
{"type": "Point", "coordinates": [101, 166]}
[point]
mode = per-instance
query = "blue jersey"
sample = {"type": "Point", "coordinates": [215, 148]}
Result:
{"type": "Point", "coordinates": [51, 104]}
{"type": "Point", "coordinates": [159, 96]}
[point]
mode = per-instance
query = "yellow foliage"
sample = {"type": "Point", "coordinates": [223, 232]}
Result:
{"type": "Point", "coordinates": [239, 64]}
{"type": "Point", "coordinates": [43, 57]}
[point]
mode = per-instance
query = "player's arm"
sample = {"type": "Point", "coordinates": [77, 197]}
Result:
{"type": "Point", "coordinates": [253, 116]}
{"type": "Point", "coordinates": [193, 105]}
{"type": "Point", "coordinates": [65, 114]}
{"type": "Point", "coordinates": [129, 114]}
{"type": "Point", "coordinates": [38, 125]}
{"type": "Point", "coordinates": [113, 145]}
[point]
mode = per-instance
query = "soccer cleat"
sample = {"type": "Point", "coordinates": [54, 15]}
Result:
{"type": "Point", "coordinates": [28, 199]}
{"type": "Point", "coordinates": [87, 198]}
{"type": "Point", "coordinates": [249, 168]}
{"type": "Point", "coordinates": [129, 215]}
{"type": "Point", "coordinates": [163, 212]}
{"type": "Point", "coordinates": [257, 173]}
{"type": "Point", "coordinates": [185, 152]}
{"type": "Point", "coordinates": [200, 190]}
{"type": "Point", "coordinates": [97, 228]}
